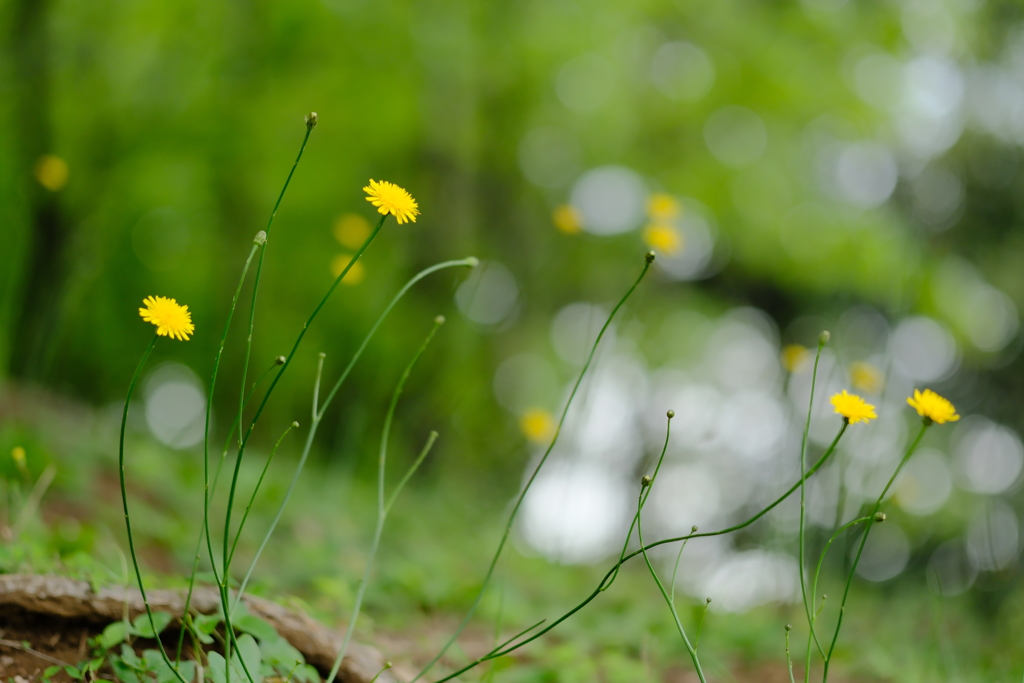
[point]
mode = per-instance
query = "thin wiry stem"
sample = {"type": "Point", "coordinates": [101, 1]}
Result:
{"type": "Point", "coordinates": [612, 572]}
{"type": "Point", "coordinates": [814, 587]}
{"type": "Point", "coordinates": [522, 494]}
{"type": "Point", "coordinates": [206, 452]}
{"type": "Point", "coordinates": [382, 505]}
{"type": "Point", "coordinates": [803, 495]}
{"type": "Point", "coordinates": [864, 540]}
{"type": "Point", "coordinates": [466, 262]}
{"type": "Point", "coordinates": [124, 502]}
{"type": "Point", "coordinates": [641, 499]}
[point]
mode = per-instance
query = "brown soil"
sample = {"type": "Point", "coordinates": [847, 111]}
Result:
{"type": "Point", "coordinates": [31, 643]}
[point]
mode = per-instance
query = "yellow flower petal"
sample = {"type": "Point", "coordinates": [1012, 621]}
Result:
{"type": "Point", "coordinates": [567, 218]}
{"type": "Point", "coordinates": [663, 238]}
{"type": "Point", "coordinates": [538, 425]}
{"type": "Point", "coordinates": [392, 199]}
{"type": "Point", "coordinates": [355, 275]}
{"type": "Point", "coordinates": [932, 407]}
{"type": "Point", "coordinates": [853, 408]}
{"type": "Point", "coordinates": [794, 356]}
{"type": "Point", "coordinates": [170, 318]}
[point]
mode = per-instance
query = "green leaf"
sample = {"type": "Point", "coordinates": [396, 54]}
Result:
{"type": "Point", "coordinates": [122, 671]}
{"type": "Point", "coordinates": [114, 634]}
{"type": "Point", "coordinates": [259, 628]}
{"type": "Point", "coordinates": [281, 655]}
{"type": "Point", "coordinates": [50, 671]}
{"type": "Point", "coordinates": [251, 656]}
{"type": "Point", "coordinates": [207, 623]}
{"type": "Point", "coordinates": [215, 671]}
{"type": "Point", "coordinates": [141, 626]}
{"type": "Point", "coordinates": [74, 672]}
{"type": "Point", "coordinates": [129, 657]}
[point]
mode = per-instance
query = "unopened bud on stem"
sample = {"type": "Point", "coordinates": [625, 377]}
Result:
{"type": "Point", "coordinates": [671, 414]}
{"type": "Point", "coordinates": [645, 481]}
{"type": "Point", "coordinates": [311, 119]}
{"type": "Point", "coordinates": [295, 425]}
{"type": "Point", "coordinates": [879, 517]}
{"type": "Point", "coordinates": [280, 360]}
{"type": "Point", "coordinates": [439, 320]}
{"type": "Point", "coordinates": [824, 337]}
{"type": "Point", "coordinates": [649, 257]}
{"type": "Point", "coordinates": [260, 239]}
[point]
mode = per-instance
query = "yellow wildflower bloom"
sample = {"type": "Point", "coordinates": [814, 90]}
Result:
{"type": "Point", "coordinates": [932, 407]}
{"type": "Point", "coordinates": [52, 172]}
{"type": "Point", "coordinates": [351, 230]}
{"type": "Point", "coordinates": [866, 377]}
{"type": "Point", "coordinates": [356, 273]}
{"type": "Point", "coordinates": [663, 238]}
{"type": "Point", "coordinates": [390, 198]}
{"type": "Point", "coordinates": [794, 356]}
{"type": "Point", "coordinates": [18, 454]}
{"type": "Point", "coordinates": [171, 318]}
{"type": "Point", "coordinates": [663, 207]}
{"type": "Point", "coordinates": [567, 218]}
{"type": "Point", "coordinates": [853, 408]}
{"type": "Point", "coordinates": [538, 425]}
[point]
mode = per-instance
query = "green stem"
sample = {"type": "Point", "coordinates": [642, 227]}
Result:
{"type": "Point", "coordinates": [863, 541]}
{"type": "Point", "coordinates": [641, 499]}
{"type": "Point", "coordinates": [206, 450]}
{"type": "Point", "coordinates": [317, 416]}
{"type": "Point", "coordinates": [611, 572]}
{"type": "Point", "coordinates": [789, 659]}
{"type": "Point", "coordinates": [814, 587]}
{"type": "Point", "coordinates": [259, 411]}
{"type": "Point", "coordinates": [252, 499]}
{"type": "Point", "coordinates": [124, 502]}
{"type": "Point", "coordinates": [382, 506]}
{"type": "Point", "coordinates": [522, 494]}
{"type": "Point", "coordinates": [803, 497]}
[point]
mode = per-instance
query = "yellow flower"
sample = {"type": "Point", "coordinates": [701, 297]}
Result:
{"type": "Point", "coordinates": [794, 356]}
{"type": "Point", "coordinates": [853, 408]}
{"type": "Point", "coordinates": [351, 230]}
{"type": "Point", "coordinates": [51, 172]}
{"type": "Point", "coordinates": [390, 198]}
{"type": "Point", "coordinates": [355, 274]}
{"type": "Point", "coordinates": [866, 377]}
{"type": "Point", "coordinates": [664, 238]}
{"type": "Point", "coordinates": [171, 318]}
{"type": "Point", "coordinates": [663, 207]}
{"type": "Point", "coordinates": [18, 454]}
{"type": "Point", "coordinates": [932, 407]}
{"type": "Point", "coordinates": [538, 425]}
{"type": "Point", "coordinates": [568, 219]}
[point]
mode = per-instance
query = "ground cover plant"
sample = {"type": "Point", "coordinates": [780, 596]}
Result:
{"type": "Point", "coordinates": [232, 645]}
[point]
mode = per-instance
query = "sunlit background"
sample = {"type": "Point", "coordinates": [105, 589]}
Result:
{"type": "Point", "coordinates": [797, 166]}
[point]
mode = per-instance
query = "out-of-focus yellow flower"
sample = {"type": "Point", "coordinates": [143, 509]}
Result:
{"type": "Point", "coordinates": [853, 408]}
{"type": "Point", "coordinates": [51, 172]}
{"type": "Point", "coordinates": [351, 230]}
{"type": "Point", "coordinates": [538, 425]}
{"type": "Point", "coordinates": [170, 318]}
{"type": "Point", "coordinates": [356, 273]}
{"type": "Point", "coordinates": [18, 454]}
{"type": "Point", "coordinates": [664, 238]}
{"type": "Point", "coordinates": [567, 218]}
{"type": "Point", "coordinates": [932, 407]}
{"type": "Point", "coordinates": [794, 356]}
{"type": "Point", "coordinates": [663, 207]}
{"type": "Point", "coordinates": [866, 377]}
{"type": "Point", "coordinates": [390, 198]}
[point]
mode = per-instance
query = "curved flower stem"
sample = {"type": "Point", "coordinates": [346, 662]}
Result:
{"type": "Point", "coordinates": [319, 412]}
{"type": "Point", "coordinates": [205, 530]}
{"type": "Point", "coordinates": [256, 488]}
{"type": "Point", "coordinates": [522, 494]}
{"type": "Point", "coordinates": [641, 499]}
{"type": "Point", "coordinates": [803, 497]}
{"type": "Point", "coordinates": [609, 576]}
{"type": "Point", "coordinates": [814, 588]}
{"type": "Point", "coordinates": [124, 502]}
{"type": "Point", "coordinates": [259, 411]}
{"type": "Point", "coordinates": [384, 506]}
{"type": "Point", "coordinates": [863, 541]}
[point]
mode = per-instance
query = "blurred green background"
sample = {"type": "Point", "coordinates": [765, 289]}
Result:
{"type": "Point", "coordinates": [797, 164]}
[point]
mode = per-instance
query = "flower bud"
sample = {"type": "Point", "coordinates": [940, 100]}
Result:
{"type": "Point", "coordinates": [649, 257]}
{"type": "Point", "coordinates": [311, 119]}
{"type": "Point", "coordinates": [645, 481]}
{"type": "Point", "coordinates": [295, 425]}
{"type": "Point", "coordinates": [280, 360]}
{"type": "Point", "coordinates": [879, 517]}
{"type": "Point", "coordinates": [670, 414]}
{"type": "Point", "coordinates": [439, 320]}
{"type": "Point", "coordinates": [693, 529]}
{"type": "Point", "coordinates": [789, 627]}
{"type": "Point", "coordinates": [260, 239]}
{"type": "Point", "coordinates": [472, 262]}
{"type": "Point", "coordinates": [824, 337]}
